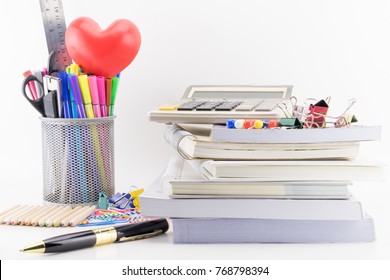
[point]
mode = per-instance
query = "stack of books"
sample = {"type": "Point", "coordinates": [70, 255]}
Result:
{"type": "Point", "coordinates": [279, 186]}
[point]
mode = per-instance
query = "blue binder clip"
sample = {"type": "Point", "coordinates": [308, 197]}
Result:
{"type": "Point", "coordinates": [103, 201]}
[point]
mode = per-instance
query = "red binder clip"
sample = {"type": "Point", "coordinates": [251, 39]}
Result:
{"type": "Point", "coordinates": [316, 115]}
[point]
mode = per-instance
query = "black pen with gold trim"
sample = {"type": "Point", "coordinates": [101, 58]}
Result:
{"type": "Point", "coordinates": [100, 236]}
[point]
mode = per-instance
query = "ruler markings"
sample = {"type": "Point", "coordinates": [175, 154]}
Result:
{"type": "Point", "coordinates": [55, 27]}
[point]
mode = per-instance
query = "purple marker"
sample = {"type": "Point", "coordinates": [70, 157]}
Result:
{"type": "Point", "coordinates": [74, 84]}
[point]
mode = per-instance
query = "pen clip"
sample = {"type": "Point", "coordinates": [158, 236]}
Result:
{"type": "Point", "coordinates": [141, 236]}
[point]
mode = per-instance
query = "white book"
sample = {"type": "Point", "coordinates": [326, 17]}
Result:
{"type": "Point", "coordinates": [301, 170]}
{"type": "Point", "coordinates": [156, 202]}
{"type": "Point", "coordinates": [204, 230]}
{"type": "Point", "coordinates": [352, 133]}
{"type": "Point", "coordinates": [185, 178]}
{"type": "Point", "coordinates": [196, 143]}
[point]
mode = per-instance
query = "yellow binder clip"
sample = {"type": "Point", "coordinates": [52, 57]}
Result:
{"type": "Point", "coordinates": [135, 197]}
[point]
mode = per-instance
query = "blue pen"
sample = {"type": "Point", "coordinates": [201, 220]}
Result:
{"type": "Point", "coordinates": [72, 102]}
{"type": "Point", "coordinates": [67, 111]}
{"type": "Point", "coordinates": [74, 85]}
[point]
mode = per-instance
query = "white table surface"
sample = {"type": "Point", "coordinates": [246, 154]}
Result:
{"type": "Point", "coordinates": [374, 199]}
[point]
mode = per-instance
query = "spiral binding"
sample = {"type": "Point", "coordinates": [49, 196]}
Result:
{"type": "Point", "coordinates": [173, 134]}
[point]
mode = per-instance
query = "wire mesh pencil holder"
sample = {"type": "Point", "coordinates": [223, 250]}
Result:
{"type": "Point", "coordinates": [78, 160]}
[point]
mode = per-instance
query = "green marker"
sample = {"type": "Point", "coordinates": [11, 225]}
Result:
{"type": "Point", "coordinates": [114, 88]}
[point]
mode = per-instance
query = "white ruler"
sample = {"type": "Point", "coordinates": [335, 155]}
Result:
{"type": "Point", "coordinates": [55, 27]}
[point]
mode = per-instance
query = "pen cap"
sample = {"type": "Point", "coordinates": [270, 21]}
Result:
{"type": "Point", "coordinates": [115, 82]}
{"type": "Point", "coordinates": [74, 84]}
{"type": "Point", "coordinates": [64, 85]}
{"type": "Point", "coordinates": [94, 89]}
{"type": "Point", "coordinates": [108, 83]}
{"type": "Point", "coordinates": [84, 87]}
{"type": "Point", "coordinates": [101, 89]}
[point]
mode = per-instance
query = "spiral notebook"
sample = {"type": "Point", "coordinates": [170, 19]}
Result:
{"type": "Point", "coordinates": [194, 142]}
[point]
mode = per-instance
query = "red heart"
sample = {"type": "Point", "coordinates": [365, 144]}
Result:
{"type": "Point", "coordinates": [102, 52]}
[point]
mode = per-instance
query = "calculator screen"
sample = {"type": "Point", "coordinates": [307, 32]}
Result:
{"type": "Point", "coordinates": [237, 92]}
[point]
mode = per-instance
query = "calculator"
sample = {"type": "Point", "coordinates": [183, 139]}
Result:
{"type": "Point", "coordinates": [217, 104]}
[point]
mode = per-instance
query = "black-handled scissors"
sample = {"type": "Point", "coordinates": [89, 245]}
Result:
{"type": "Point", "coordinates": [38, 103]}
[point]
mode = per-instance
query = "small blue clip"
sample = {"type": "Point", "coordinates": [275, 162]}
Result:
{"type": "Point", "coordinates": [103, 201]}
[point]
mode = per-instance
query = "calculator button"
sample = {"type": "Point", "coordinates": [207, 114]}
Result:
{"type": "Point", "coordinates": [247, 106]}
{"type": "Point", "coordinates": [227, 106]}
{"type": "Point", "coordinates": [266, 106]}
{"type": "Point", "coordinates": [169, 107]}
{"type": "Point", "coordinates": [208, 106]}
{"type": "Point", "coordinates": [189, 106]}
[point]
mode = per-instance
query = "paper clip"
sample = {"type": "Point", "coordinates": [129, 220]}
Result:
{"type": "Point", "coordinates": [127, 200]}
{"type": "Point", "coordinates": [103, 201]}
{"type": "Point", "coordinates": [345, 118]}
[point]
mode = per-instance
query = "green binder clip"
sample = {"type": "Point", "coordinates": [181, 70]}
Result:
{"type": "Point", "coordinates": [103, 201]}
{"type": "Point", "coordinates": [291, 123]}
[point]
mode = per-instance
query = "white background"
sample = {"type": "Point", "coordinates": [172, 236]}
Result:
{"type": "Point", "coordinates": [323, 48]}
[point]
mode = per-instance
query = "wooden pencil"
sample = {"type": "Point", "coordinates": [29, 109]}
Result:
{"type": "Point", "coordinates": [65, 222]}
{"type": "Point", "coordinates": [13, 219]}
{"type": "Point", "coordinates": [35, 220]}
{"type": "Point", "coordinates": [57, 220]}
{"type": "Point", "coordinates": [81, 216]}
{"type": "Point", "coordinates": [9, 212]}
{"type": "Point", "coordinates": [27, 214]}
{"type": "Point", "coordinates": [28, 219]}
{"type": "Point", "coordinates": [50, 220]}
{"type": "Point", "coordinates": [42, 220]}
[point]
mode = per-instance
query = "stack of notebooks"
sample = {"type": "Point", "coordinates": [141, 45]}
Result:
{"type": "Point", "coordinates": [280, 186]}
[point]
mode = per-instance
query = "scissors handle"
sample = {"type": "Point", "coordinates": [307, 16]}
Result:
{"type": "Point", "coordinates": [37, 103]}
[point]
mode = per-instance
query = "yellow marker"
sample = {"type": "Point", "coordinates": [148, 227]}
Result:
{"type": "Point", "coordinates": [169, 107]}
{"type": "Point", "coordinates": [85, 92]}
{"type": "Point", "coordinates": [74, 69]}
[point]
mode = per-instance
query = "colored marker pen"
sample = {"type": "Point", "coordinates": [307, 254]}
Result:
{"type": "Point", "coordinates": [108, 83]}
{"type": "Point", "coordinates": [65, 98]}
{"type": "Point", "coordinates": [102, 95]}
{"type": "Point", "coordinates": [115, 82]}
{"type": "Point", "coordinates": [86, 94]}
{"type": "Point", "coordinates": [72, 102]}
{"type": "Point", "coordinates": [95, 96]}
{"type": "Point", "coordinates": [74, 85]}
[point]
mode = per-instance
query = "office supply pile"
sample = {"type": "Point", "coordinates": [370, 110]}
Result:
{"type": "Point", "coordinates": [76, 102]}
{"type": "Point", "coordinates": [75, 96]}
{"type": "Point", "coordinates": [119, 209]}
{"type": "Point", "coordinates": [277, 176]}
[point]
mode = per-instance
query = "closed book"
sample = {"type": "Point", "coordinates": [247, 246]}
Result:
{"type": "Point", "coordinates": [302, 170]}
{"type": "Point", "coordinates": [194, 142]}
{"type": "Point", "coordinates": [157, 202]}
{"type": "Point", "coordinates": [185, 178]}
{"type": "Point", "coordinates": [204, 230]}
{"type": "Point", "coordinates": [352, 133]}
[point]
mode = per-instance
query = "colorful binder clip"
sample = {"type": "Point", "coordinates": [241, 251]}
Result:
{"type": "Point", "coordinates": [291, 123]}
{"type": "Point", "coordinates": [317, 113]}
{"type": "Point", "coordinates": [128, 200]}
{"type": "Point", "coordinates": [103, 201]}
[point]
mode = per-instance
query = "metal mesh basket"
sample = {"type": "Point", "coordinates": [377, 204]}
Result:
{"type": "Point", "coordinates": [78, 160]}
